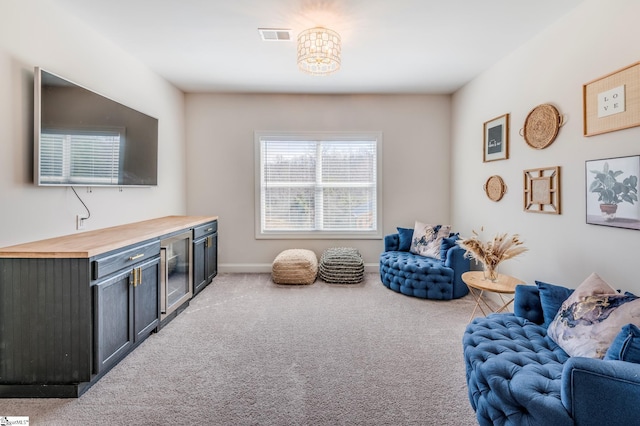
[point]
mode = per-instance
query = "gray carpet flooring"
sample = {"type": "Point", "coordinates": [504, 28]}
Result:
{"type": "Point", "coordinates": [250, 352]}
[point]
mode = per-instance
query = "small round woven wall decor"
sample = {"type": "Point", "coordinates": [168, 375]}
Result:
{"type": "Point", "coordinates": [541, 126]}
{"type": "Point", "coordinates": [495, 188]}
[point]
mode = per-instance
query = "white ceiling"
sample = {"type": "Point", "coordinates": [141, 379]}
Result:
{"type": "Point", "coordinates": [388, 46]}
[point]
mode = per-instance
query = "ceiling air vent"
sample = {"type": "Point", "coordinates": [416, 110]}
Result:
{"type": "Point", "coordinates": [275, 34]}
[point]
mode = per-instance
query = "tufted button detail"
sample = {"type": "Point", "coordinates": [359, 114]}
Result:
{"type": "Point", "coordinates": [417, 276]}
{"type": "Point", "coordinates": [513, 371]}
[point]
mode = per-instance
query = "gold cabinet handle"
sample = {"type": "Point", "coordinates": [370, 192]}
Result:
{"type": "Point", "coordinates": [137, 276]}
{"type": "Point", "coordinates": [137, 256]}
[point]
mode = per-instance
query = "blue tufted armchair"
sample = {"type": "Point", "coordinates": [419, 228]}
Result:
{"type": "Point", "coordinates": [424, 277]}
{"type": "Point", "coordinates": [518, 376]}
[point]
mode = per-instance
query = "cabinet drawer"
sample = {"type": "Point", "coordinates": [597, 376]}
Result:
{"type": "Point", "coordinates": [124, 258]}
{"type": "Point", "coordinates": [207, 228]}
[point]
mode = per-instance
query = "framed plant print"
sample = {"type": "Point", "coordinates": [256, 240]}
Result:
{"type": "Point", "coordinates": [612, 102]}
{"type": "Point", "coordinates": [542, 190]}
{"type": "Point", "coordinates": [612, 192]}
{"type": "Point", "coordinates": [496, 139]}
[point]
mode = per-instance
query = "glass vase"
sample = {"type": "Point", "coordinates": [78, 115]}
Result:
{"type": "Point", "coordinates": [490, 272]}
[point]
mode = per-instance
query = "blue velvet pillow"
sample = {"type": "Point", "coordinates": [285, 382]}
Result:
{"type": "Point", "coordinates": [405, 235]}
{"type": "Point", "coordinates": [446, 244]}
{"type": "Point", "coordinates": [626, 345]}
{"type": "Point", "coordinates": [551, 298]}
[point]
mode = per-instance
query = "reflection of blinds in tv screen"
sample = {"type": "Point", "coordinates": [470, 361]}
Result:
{"type": "Point", "coordinates": [88, 140]}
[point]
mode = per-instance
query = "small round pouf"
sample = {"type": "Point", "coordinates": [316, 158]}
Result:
{"type": "Point", "coordinates": [295, 266]}
{"type": "Point", "coordinates": [341, 265]}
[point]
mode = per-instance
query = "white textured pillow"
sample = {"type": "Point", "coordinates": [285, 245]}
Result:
{"type": "Point", "coordinates": [427, 239]}
{"type": "Point", "coordinates": [592, 317]}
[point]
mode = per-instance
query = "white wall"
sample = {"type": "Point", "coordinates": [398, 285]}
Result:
{"type": "Point", "coordinates": [595, 39]}
{"type": "Point", "coordinates": [39, 33]}
{"type": "Point", "coordinates": [220, 154]}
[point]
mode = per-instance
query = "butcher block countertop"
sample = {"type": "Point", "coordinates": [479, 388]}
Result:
{"type": "Point", "coordinates": [92, 243]}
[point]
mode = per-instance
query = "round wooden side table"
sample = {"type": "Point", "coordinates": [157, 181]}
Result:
{"type": "Point", "coordinates": [504, 285]}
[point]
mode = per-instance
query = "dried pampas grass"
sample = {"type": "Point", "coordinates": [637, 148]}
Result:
{"type": "Point", "coordinates": [491, 253]}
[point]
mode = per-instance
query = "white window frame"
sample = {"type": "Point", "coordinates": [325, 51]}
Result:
{"type": "Point", "coordinates": [260, 136]}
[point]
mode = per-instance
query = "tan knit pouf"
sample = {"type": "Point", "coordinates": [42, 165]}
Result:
{"type": "Point", "coordinates": [295, 266]}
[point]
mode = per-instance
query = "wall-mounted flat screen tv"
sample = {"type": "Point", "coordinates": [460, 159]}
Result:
{"type": "Point", "coordinates": [85, 139]}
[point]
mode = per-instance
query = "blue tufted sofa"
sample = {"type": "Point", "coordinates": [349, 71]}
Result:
{"type": "Point", "coordinates": [424, 277]}
{"type": "Point", "coordinates": [516, 375]}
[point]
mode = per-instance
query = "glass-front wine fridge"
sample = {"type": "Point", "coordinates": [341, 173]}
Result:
{"type": "Point", "coordinates": [176, 281]}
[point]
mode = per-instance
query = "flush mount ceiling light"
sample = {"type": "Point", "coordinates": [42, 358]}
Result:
{"type": "Point", "coordinates": [319, 51]}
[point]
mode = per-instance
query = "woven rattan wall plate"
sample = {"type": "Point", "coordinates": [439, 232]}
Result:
{"type": "Point", "coordinates": [541, 126]}
{"type": "Point", "coordinates": [495, 188]}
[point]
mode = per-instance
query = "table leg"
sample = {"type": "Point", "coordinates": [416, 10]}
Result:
{"type": "Point", "coordinates": [479, 299]}
{"type": "Point", "coordinates": [505, 305]}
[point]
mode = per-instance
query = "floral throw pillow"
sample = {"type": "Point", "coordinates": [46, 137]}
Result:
{"type": "Point", "coordinates": [427, 239]}
{"type": "Point", "coordinates": [433, 248]}
{"type": "Point", "coordinates": [590, 319]}
{"type": "Point", "coordinates": [423, 234]}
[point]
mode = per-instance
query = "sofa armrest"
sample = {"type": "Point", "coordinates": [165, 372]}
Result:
{"type": "Point", "coordinates": [597, 392]}
{"type": "Point", "coordinates": [456, 260]}
{"type": "Point", "coordinates": [391, 242]}
{"type": "Point", "coordinates": [526, 303]}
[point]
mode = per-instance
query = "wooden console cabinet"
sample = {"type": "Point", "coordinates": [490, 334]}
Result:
{"type": "Point", "coordinates": [205, 255]}
{"type": "Point", "coordinates": [126, 302]}
{"type": "Point", "coordinates": [72, 307]}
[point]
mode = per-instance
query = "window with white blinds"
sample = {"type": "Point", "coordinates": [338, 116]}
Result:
{"type": "Point", "coordinates": [324, 186]}
{"type": "Point", "coordinates": [81, 157]}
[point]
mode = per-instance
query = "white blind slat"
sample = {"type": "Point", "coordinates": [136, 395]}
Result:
{"type": "Point", "coordinates": [318, 185]}
{"type": "Point", "coordinates": [80, 157]}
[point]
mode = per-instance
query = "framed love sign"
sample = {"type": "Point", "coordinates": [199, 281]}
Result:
{"type": "Point", "coordinates": [612, 102]}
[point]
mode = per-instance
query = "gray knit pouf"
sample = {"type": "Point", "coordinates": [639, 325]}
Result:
{"type": "Point", "coordinates": [341, 265]}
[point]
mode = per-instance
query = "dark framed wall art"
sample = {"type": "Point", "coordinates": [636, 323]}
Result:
{"type": "Point", "coordinates": [496, 139]}
{"type": "Point", "coordinates": [612, 192]}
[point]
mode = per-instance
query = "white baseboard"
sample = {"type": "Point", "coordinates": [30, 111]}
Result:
{"type": "Point", "coordinates": [244, 268]}
{"type": "Point", "coordinates": [262, 268]}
